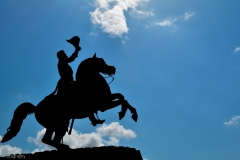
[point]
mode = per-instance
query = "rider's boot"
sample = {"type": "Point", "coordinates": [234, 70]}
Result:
{"type": "Point", "coordinates": [95, 121]}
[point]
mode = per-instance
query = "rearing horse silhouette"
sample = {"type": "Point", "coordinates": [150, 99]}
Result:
{"type": "Point", "coordinates": [91, 93]}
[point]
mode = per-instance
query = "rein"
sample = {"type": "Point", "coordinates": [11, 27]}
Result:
{"type": "Point", "coordinates": [111, 80]}
{"type": "Point", "coordinates": [96, 113]}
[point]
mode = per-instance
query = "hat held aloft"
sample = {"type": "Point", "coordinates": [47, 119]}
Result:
{"type": "Point", "coordinates": [75, 41]}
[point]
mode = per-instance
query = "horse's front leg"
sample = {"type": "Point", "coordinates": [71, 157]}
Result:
{"type": "Point", "coordinates": [121, 100]}
{"type": "Point", "coordinates": [125, 106]}
{"type": "Point", "coordinates": [115, 100]}
{"type": "Point", "coordinates": [132, 110]}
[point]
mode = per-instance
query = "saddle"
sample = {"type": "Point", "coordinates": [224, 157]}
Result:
{"type": "Point", "coordinates": [67, 95]}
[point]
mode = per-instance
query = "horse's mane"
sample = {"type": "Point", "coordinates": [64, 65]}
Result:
{"type": "Point", "coordinates": [84, 66]}
{"type": "Point", "coordinates": [85, 62]}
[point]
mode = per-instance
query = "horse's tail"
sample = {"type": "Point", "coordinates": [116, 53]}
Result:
{"type": "Point", "coordinates": [19, 115]}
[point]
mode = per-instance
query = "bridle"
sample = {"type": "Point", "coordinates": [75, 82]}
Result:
{"type": "Point", "coordinates": [108, 77]}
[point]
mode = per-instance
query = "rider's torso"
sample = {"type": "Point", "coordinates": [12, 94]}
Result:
{"type": "Point", "coordinates": [65, 71]}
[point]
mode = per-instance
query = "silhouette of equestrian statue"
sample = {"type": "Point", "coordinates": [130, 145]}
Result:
{"type": "Point", "coordinates": [78, 99]}
{"type": "Point", "coordinates": [66, 82]}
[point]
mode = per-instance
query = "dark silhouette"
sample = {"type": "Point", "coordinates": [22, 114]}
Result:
{"type": "Point", "coordinates": [66, 82]}
{"type": "Point", "coordinates": [88, 95]}
{"type": "Point", "coordinates": [94, 153]}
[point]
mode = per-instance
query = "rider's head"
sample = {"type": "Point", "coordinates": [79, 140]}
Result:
{"type": "Point", "coordinates": [61, 54]}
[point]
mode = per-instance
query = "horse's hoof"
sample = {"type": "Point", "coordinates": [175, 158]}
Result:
{"type": "Point", "coordinates": [63, 147]}
{"type": "Point", "coordinates": [133, 110]}
{"type": "Point", "coordinates": [135, 117]}
{"type": "Point", "coordinates": [94, 124]}
{"type": "Point", "coordinates": [102, 121]}
{"type": "Point", "coordinates": [121, 114]}
{"type": "Point", "coordinates": [98, 122]}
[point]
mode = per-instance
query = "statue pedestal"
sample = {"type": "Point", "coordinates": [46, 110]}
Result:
{"type": "Point", "coordinates": [105, 153]}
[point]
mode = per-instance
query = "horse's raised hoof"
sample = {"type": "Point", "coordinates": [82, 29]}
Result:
{"type": "Point", "coordinates": [121, 114]}
{"type": "Point", "coordinates": [98, 122]}
{"type": "Point", "coordinates": [135, 117]}
{"type": "Point", "coordinates": [102, 121]}
{"type": "Point", "coordinates": [133, 110]}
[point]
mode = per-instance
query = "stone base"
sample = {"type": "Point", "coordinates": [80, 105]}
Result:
{"type": "Point", "coordinates": [103, 153]}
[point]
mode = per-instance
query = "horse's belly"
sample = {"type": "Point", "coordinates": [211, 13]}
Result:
{"type": "Point", "coordinates": [48, 112]}
{"type": "Point", "coordinates": [78, 110]}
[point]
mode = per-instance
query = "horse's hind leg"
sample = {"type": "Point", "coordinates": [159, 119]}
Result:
{"type": "Point", "coordinates": [60, 131]}
{"type": "Point", "coordinates": [47, 138]}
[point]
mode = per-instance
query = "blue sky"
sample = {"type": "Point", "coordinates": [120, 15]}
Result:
{"type": "Point", "coordinates": [177, 63]}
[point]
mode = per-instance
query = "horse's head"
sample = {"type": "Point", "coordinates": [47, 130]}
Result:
{"type": "Point", "coordinates": [94, 65]}
{"type": "Point", "coordinates": [101, 66]}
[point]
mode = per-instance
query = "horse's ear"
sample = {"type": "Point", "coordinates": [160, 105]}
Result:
{"type": "Point", "coordinates": [94, 56]}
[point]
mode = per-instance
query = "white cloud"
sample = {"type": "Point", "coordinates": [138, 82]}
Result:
{"type": "Point", "coordinates": [166, 23]}
{"type": "Point", "coordinates": [80, 140]}
{"type": "Point", "coordinates": [171, 21]}
{"type": "Point", "coordinates": [145, 159]}
{"type": "Point", "coordinates": [233, 121]}
{"type": "Point", "coordinates": [39, 150]}
{"type": "Point", "coordinates": [109, 14]}
{"type": "Point", "coordinates": [237, 49]}
{"type": "Point", "coordinates": [75, 140]}
{"type": "Point", "coordinates": [6, 150]}
{"type": "Point", "coordinates": [115, 130]}
{"type": "Point", "coordinates": [93, 34]}
{"type": "Point", "coordinates": [188, 15]}
{"type": "Point", "coordinates": [113, 141]}
{"type": "Point", "coordinates": [38, 142]}
{"type": "Point", "coordinates": [141, 14]}
{"type": "Point", "coordinates": [95, 139]}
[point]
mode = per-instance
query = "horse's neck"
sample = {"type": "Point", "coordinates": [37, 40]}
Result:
{"type": "Point", "coordinates": [87, 76]}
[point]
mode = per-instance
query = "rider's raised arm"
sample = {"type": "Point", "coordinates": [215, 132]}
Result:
{"type": "Point", "coordinates": [74, 55]}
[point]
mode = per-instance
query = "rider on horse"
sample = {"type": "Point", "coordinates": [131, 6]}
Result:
{"type": "Point", "coordinates": [65, 84]}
